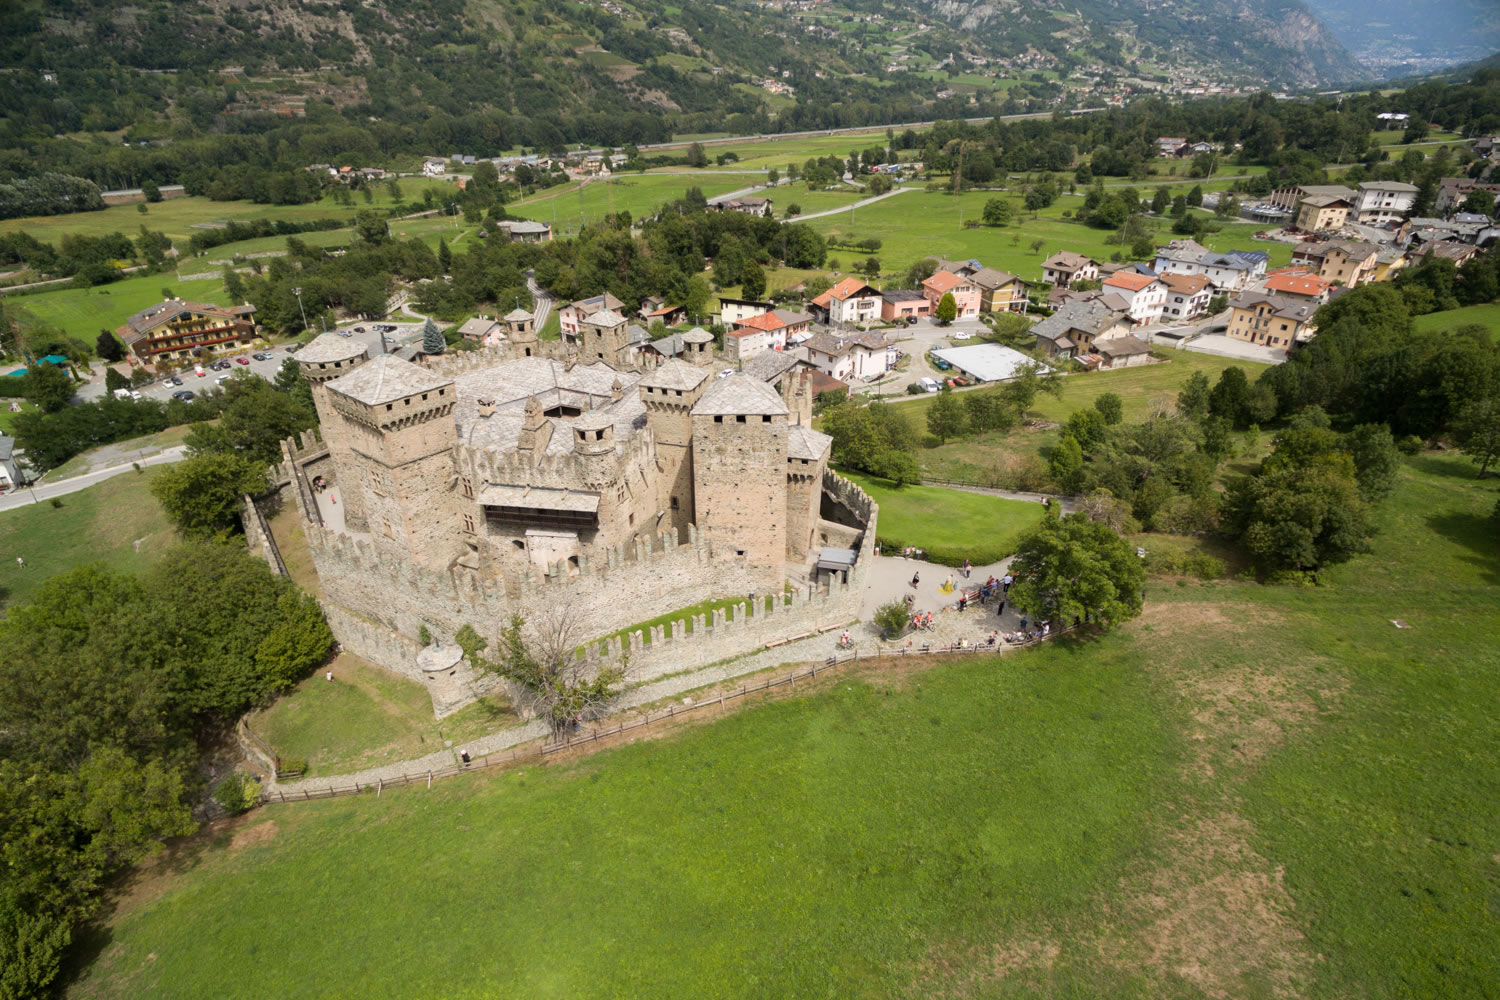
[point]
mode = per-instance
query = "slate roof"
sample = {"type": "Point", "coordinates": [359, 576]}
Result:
{"type": "Point", "coordinates": [517, 314]}
{"type": "Point", "coordinates": [804, 442]}
{"type": "Point", "coordinates": [675, 374]}
{"type": "Point", "coordinates": [1298, 310]}
{"type": "Point", "coordinates": [1120, 347]}
{"type": "Point", "coordinates": [387, 379]}
{"type": "Point", "coordinates": [605, 317]}
{"type": "Point", "coordinates": [1067, 260]}
{"type": "Point", "coordinates": [739, 394]}
{"type": "Point", "coordinates": [1092, 316]}
{"type": "Point", "coordinates": [327, 347]}
{"type": "Point", "coordinates": [989, 278]}
{"type": "Point", "coordinates": [768, 366]}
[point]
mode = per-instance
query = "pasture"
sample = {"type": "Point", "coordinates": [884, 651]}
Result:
{"type": "Point", "coordinates": [83, 312]}
{"type": "Point", "coordinates": [1249, 792]}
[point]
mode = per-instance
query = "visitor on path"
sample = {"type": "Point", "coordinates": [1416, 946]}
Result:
{"type": "Point", "coordinates": [1001, 609]}
{"type": "Point", "coordinates": [968, 566]}
{"type": "Point", "coordinates": [916, 578]}
{"type": "Point", "coordinates": [1007, 581]}
{"type": "Point", "coordinates": [963, 602]}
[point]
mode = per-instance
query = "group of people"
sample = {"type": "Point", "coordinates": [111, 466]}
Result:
{"type": "Point", "coordinates": [912, 552]}
{"type": "Point", "coordinates": [921, 621]}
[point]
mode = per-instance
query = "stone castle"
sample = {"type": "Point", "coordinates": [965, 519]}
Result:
{"type": "Point", "coordinates": [585, 474]}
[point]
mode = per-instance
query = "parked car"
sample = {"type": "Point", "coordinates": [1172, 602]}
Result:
{"type": "Point", "coordinates": [174, 380]}
{"type": "Point", "coordinates": [243, 361]}
{"type": "Point", "coordinates": [185, 395]}
{"type": "Point", "coordinates": [962, 335]}
{"type": "Point", "coordinates": [911, 321]}
{"type": "Point", "coordinates": [345, 333]}
{"type": "Point", "coordinates": [291, 348]}
{"type": "Point", "coordinates": [359, 329]}
{"type": "Point", "coordinates": [727, 371]}
{"type": "Point", "coordinates": [261, 356]}
{"type": "Point", "coordinates": [942, 365]}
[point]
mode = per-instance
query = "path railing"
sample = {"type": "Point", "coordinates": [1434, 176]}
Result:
{"type": "Point", "coordinates": [595, 734]}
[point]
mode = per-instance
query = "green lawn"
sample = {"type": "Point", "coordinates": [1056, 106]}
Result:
{"type": "Point", "coordinates": [1486, 315]}
{"type": "Point", "coordinates": [1249, 792]}
{"type": "Point", "coordinates": [952, 525]}
{"type": "Point", "coordinates": [213, 259]}
{"type": "Point", "coordinates": [7, 418]}
{"type": "Point", "coordinates": [177, 217]}
{"type": "Point", "coordinates": [569, 206]}
{"type": "Point", "coordinates": [932, 224]}
{"type": "Point", "coordinates": [367, 717]}
{"type": "Point", "coordinates": [116, 522]}
{"type": "Point", "coordinates": [83, 312]}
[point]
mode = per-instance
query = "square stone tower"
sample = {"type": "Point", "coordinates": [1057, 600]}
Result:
{"type": "Point", "coordinates": [328, 357]}
{"type": "Point", "coordinates": [397, 418]}
{"type": "Point", "coordinates": [739, 471]}
{"type": "Point", "coordinates": [604, 338]}
{"type": "Point", "coordinates": [670, 392]}
{"type": "Point", "coordinates": [698, 347]}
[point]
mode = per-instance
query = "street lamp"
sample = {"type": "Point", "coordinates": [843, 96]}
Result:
{"type": "Point", "coordinates": [298, 292]}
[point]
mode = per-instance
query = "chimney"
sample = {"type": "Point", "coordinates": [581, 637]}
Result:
{"type": "Point", "coordinates": [486, 407]}
{"type": "Point", "coordinates": [616, 391]}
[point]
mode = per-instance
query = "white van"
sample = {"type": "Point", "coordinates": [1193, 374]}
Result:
{"type": "Point", "coordinates": [930, 385]}
{"type": "Point", "coordinates": [222, 379]}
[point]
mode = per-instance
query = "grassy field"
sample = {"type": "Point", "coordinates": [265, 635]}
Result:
{"type": "Point", "coordinates": [83, 312]}
{"type": "Point", "coordinates": [1486, 315]}
{"type": "Point", "coordinates": [935, 518]}
{"type": "Point", "coordinates": [568, 207]}
{"type": "Point", "coordinates": [1249, 792]}
{"type": "Point", "coordinates": [7, 418]}
{"type": "Point", "coordinates": [927, 224]}
{"type": "Point", "coordinates": [116, 522]}
{"type": "Point", "coordinates": [367, 717]}
{"type": "Point", "coordinates": [177, 217]}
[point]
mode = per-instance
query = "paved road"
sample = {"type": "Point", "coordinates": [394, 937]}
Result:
{"type": "Point", "coordinates": [46, 491]}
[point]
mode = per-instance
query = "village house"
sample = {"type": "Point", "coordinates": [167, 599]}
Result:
{"type": "Point", "coordinates": [1459, 253]}
{"type": "Point", "coordinates": [1322, 212]}
{"type": "Point", "coordinates": [1000, 291]}
{"type": "Point", "coordinates": [962, 268]}
{"type": "Point", "coordinates": [525, 231]}
{"type": "Point", "coordinates": [1347, 262]}
{"type": "Point", "coordinates": [733, 312]}
{"type": "Point", "coordinates": [903, 304]}
{"type": "Point", "coordinates": [668, 315]}
{"type": "Point", "coordinates": [1454, 191]}
{"type": "Point", "coordinates": [479, 329]}
{"type": "Point", "coordinates": [766, 332]}
{"type": "Point", "coordinates": [1229, 272]}
{"type": "Point", "coordinates": [1299, 283]}
{"type": "Point", "coordinates": [1072, 331]}
{"type": "Point", "coordinates": [850, 301]}
{"type": "Point", "coordinates": [965, 293]}
{"type": "Point", "coordinates": [1188, 295]}
{"type": "Point", "coordinates": [1388, 261]}
{"type": "Point", "coordinates": [866, 356]}
{"type": "Point", "coordinates": [1144, 295]}
{"type": "Point", "coordinates": [1382, 203]}
{"type": "Point", "coordinates": [571, 315]}
{"type": "Point", "coordinates": [749, 206]}
{"type": "Point", "coordinates": [1271, 320]}
{"type": "Point", "coordinates": [1169, 146]}
{"type": "Point", "coordinates": [1290, 199]}
{"type": "Point", "coordinates": [180, 329]}
{"type": "Point", "coordinates": [1064, 268]}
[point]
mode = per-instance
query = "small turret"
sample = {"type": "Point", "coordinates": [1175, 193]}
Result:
{"type": "Point", "coordinates": [536, 432]}
{"type": "Point", "coordinates": [698, 347]}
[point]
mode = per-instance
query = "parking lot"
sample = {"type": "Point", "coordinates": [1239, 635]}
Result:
{"type": "Point", "coordinates": [266, 367]}
{"type": "Point", "coordinates": [916, 341]}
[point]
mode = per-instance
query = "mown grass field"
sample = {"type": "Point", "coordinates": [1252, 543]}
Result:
{"type": "Point", "coordinates": [1248, 792]}
{"type": "Point", "coordinates": [952, 520]}
{"type": "Point", "coordinates": [177, 217]}
{"type": "Point", "coordinates": [367, 717]}
{"type": "Point", "coordinates": [1485, 315]}
{"type": "Point", "coordinates": [83, 312]}
{"type": "Point", "coordinates": [116, 522]}
{"type": "Point", "coordinates": [932, 224]}
{"type": "Point", "coordinates": [569, 207]}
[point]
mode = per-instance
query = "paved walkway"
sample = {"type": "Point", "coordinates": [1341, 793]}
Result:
{"type": "Point", "coordinates": [46, 491]}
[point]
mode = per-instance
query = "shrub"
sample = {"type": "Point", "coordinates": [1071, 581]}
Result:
{"type": "Point", "coordinates": [236, 793]}
{"type": "Point", "coordinates": [891, 619]}
{"type": "Point", "coordinates": [1410, 445]}
{"type": "Point", "coordinates": [292, 765]}
{"type": "Point", "coordinates": [979, 555]}
{"type": "Point", "coordinates": [1196, 564]}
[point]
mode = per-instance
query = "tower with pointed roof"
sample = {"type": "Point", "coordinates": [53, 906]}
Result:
{"type": "Point", "coordinates": [698, 347]}
{"type": "Point", "coordinates": [520, 332]}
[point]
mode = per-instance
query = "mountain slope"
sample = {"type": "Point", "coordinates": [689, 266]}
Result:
{"type": "Point", "coordinates": [1396, 36]}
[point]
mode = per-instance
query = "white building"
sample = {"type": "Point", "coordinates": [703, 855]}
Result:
{"type": "Point", "coordinates": [434, 167]}
{"type": "Point", "coordinates": [851, 301]}
{"type": "Point", "coordinates": [849, 358]}
{"type": "Point", "coordinates": [1144, 295]}
{"type": "Point", "coordinates": [1229, 272]}
{"type": "Point", "coordinates": [1381, 203]}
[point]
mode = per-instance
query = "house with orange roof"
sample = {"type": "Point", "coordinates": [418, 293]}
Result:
{"type": "Point", "coordinates": [1145, 295]}
{"type": "Point", "coordinates": [766, 332]}
{"type": "Point", "coordinates": [965, 293]}
{"type": "Point", "coordinates": [1299, 283]}
{"type": "Point", "coordinates": [1188, 295]}
{"type": "Point", "coordinates": [850, 301]}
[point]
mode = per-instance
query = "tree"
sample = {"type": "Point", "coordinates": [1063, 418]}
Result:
{"type": "Point", "coordinates": [539, 658]}
{"type": "Point", "coordinates": [1480, 202]}
{"type": "Point", "coordinates": [256, 417]}
{"type": "Point", "coordinates": [1161, 200]}
{"type": "Point", "coordinates": [1074, 568]}
{"type": "Point", "coordinates": [773, 177]}
{"type": "Point", "coordinates": [1066, 464]}
{"type": "Point", "coordinates": [947, 309]}
{"type": "Point", "coordinates": [696, 157]}
{"type": "Point", "coordinates": [892, 619]}
{"type": "Point", "coordinates": [997, 212]}
{"type": "Point", "coordinates": [752, 281]}
{"type": "Point", "coordinates": [432, 338]}
{"type": "Point", "coordinates": [1300, 518]}
{"type": "Point", "coordinates": [1036, 246]}
{"type": "Point", "coordinates": [1377, 461]}
{"type": "Point", "coordinates": [47, 386]}
{"type": "Point", "coordinates": [371, 228]}
{"type": "Point", "coordinates": [114, 380]}
{"type": "Point", "coordinates": [151, 191]}
{"type": "Point", "coordinates": [988, 410]}
{"type": "Point", "coordinates": [792, 211]}
{"type": "Point", "coordinates": [1110, 407]}
{"type": "Point", "coordinates": [1477, 431]}
{"type": "Point", "coordinates": [1087, 428]}
{"type": "Point", "coordinates": [234, 286]}
{"type": "Point", "coordinates": [108, 348]}
{"type": "Point", "coordinates": [920, 272]}
{"type": "Point", "coordinates": [1230, 397]}
{"type": "Point", "coordinates": [202, 494]}
{"type": "Point", "coordinates": [945, 417]}
{"type": "Point", "coordinates": [445, 257]}
{"type": "Point", "coordinates": [1195, 196]}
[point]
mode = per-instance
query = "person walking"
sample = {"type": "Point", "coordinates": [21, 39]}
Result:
{"type": "Point", "coordinates": [1001, 609]}
{"type": "Point", "coordinates": [916, 578]}
{"type": "Point", "coordinates": [1006, 582]}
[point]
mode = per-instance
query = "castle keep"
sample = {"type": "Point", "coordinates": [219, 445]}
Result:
{"type": "Point", "coordinates": [581, 475]}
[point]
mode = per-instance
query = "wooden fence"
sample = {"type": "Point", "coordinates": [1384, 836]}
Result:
{"type": "Point", "coordinates": [594, 735]}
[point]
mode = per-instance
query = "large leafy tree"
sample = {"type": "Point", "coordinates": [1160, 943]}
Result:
{"type": "Point", "coordinates": [48, 386]}
{"type": "Point", "coordinates": [1477, 431]}
{"type": "Point", "coordinates": [1073, 567]}
{"type": "Point", "coordinates": [256, 417]}
{"type": "Point", "coordinates": [945, 417]}
{"type": "Point", "coordinates": [202, 495]}
{"type": "Point", "coordinates": [947, 309]}
{"type": "Point", "coordinates": [1301, 517]}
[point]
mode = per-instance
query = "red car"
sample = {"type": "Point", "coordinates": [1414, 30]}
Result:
{"type": "Point", "coordinates": [243, 361]}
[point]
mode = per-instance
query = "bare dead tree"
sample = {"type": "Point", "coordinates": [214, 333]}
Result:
{"type": "Point", "coordinates": [538, 657]}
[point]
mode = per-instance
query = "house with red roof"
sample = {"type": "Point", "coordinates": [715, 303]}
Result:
{"type": "Point", "coordinates": [766, 332]}
{"type": "Point", "coordinates": [1145, 295]}
{"type": "Point", "coordinates": [850, 301]}
{"type": "Point", "coordinates": [1188, 295]}
{"type": "Point", "coordinates": [1299, 283]}
{"type": "Point", "coordinates": [965, 293]}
